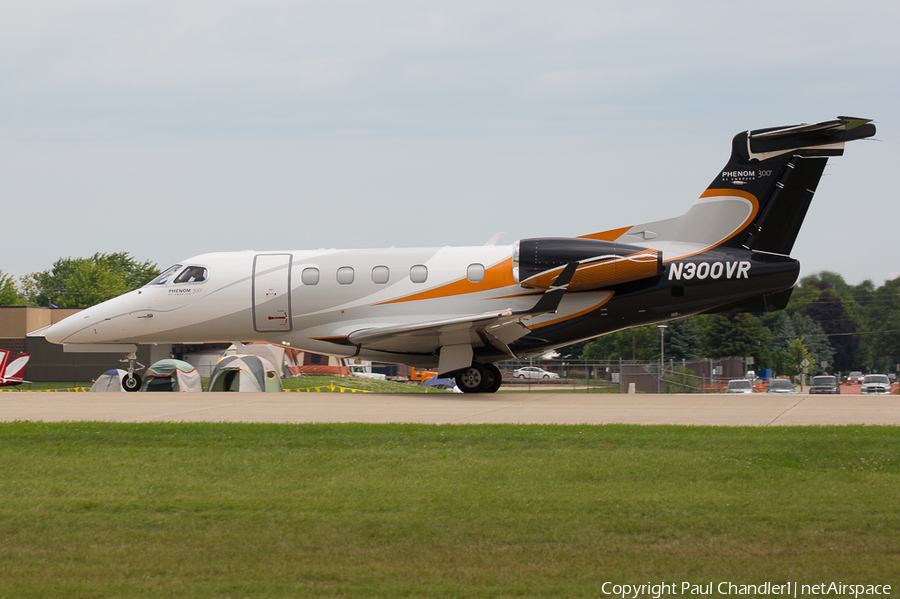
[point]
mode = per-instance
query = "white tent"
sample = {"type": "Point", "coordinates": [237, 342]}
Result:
{"type": "Point", "coordinates": [245, 373]}
{"type": "Point", "coordinates": [111, 380]}
{"type": "Point", "coordinates": [273, 353]}
{"type": "Point", "coordinates": [172, 375]}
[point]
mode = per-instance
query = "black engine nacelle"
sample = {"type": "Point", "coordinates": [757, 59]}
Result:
{"type": "Point", "coordinates": [538, 261]}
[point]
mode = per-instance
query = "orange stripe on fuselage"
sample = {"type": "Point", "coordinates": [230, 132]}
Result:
{"type": "Point", "coordinates": [737, 193]}
{"type": "Point", "coordinates": [495, 277]}
{"type": "Point", "coordinates": [717, 193]}
{"type": "Point", "coordinates": [610, 235]}
{"type": "Point", "coordinates": [614, 234]}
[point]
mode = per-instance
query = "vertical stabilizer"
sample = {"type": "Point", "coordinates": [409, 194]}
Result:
{"type": "Point", "coordinates": [778, 169]}
{"type": "Point", "coordinates": [759, 199]}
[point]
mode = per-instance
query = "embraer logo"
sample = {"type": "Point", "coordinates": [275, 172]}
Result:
{"type": "Point", "coordinates": [711, 270]}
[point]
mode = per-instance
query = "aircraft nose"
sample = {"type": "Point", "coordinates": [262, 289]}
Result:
{"type": "Point", "coordinates": [64, 329]}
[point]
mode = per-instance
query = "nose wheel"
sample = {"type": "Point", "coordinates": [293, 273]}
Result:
{"type": "Point", "coordinates": [131, 381]}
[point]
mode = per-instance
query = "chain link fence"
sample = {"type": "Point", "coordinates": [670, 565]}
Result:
{"type": "Point", "coordinates": [623, 376]}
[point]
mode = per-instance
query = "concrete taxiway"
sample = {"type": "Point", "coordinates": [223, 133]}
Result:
{"type": "Point", "coordinates": [505, 408]}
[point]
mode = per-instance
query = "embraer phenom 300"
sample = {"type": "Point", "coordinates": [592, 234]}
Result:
{"type": "Point", "coordinates": [459, 310]}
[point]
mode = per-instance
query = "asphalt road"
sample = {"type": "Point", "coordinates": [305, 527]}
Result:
{"type": "Point", "coordinates": [526, 408]}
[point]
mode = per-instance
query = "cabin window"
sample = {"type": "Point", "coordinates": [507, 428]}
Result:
{"type": "Point", "coordinates": [163, 278]}
{"type": "Point", "coordinates": [381, 275]}
{"type": "Point", "coordinates": [418, 273]}
{"type": "Point", "coordinates": [345, 275]}
{"type": "Point", "coordinates": [475, 273]}
{"type": "Point", "coordinates": [310, 276]}
{"type": "Point", "coordinates": [192, 274]}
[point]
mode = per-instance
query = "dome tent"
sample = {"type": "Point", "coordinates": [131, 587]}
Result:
{"type": "Point", "coordinates": [172, 375]}
{"type": "Point", "coordinates": [111, 380]}
{"type": "Point", "coordinates": [244, 373]}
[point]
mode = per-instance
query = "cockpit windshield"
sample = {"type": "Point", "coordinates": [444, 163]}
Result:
{"type": "Point", "coordinates": [163, 278]}
{"type": "Point", "coordinates": [191, 274]}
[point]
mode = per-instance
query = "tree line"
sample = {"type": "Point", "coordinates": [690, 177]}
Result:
{"type": "Point", "coordinates": [77, 282]}
{"type": "Point", "coordinates": [827, 321]}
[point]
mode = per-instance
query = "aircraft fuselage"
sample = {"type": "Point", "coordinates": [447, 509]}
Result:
{"type": "Point", "coordinates": [314, 300]}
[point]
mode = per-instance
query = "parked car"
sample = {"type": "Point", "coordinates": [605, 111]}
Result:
{"type": "Point", "coordinates": [825, 384]}
{"type": "Point", "coordinates": [739, 386]}
{"type": "Point", "coordinates": [780, 386]}
{"type": "Point", "coordinates": [533, 372]}
{"type": "Point", "coordinates": [357, 370]}
{"type": "Point", "coordinates": [855, 376]}
{"type": "Point", "coordinates": [875, 384]}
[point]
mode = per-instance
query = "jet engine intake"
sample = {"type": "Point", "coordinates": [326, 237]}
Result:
{"type": "Point", "coordinates": [538, 261]}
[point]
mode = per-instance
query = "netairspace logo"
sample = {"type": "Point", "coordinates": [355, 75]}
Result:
{"type": "Point", "coordinates": [787, 589]}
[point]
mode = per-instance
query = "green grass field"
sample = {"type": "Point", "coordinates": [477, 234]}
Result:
{"type": "Point", "coordinates": [254, 510]}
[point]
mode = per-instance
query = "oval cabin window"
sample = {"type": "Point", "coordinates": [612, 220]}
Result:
{"type": "Point", "coordinates": [475, 273]}
{"type": "Point", "coordinates": [310, 276]}
{"type": "Point", "coordinates": [345, 275]}
{"type": "Point", "coordinates": [418, 273]}
{"type": "Point", "coordinates": [381, 275]}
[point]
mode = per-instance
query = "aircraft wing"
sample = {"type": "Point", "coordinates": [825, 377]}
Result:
{"type": "Point", "coordinates": [453, 338]}
{"type": "Point", "coordinates": [427, 337]}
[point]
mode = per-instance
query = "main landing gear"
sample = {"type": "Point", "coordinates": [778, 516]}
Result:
{"type": "Point", "coordinates": [131, 381]}
{"type": "Point", "coordinates": [479, 378]}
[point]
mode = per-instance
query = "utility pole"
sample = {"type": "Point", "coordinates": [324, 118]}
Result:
{"type": "Point", "coordinates": [662, 354]}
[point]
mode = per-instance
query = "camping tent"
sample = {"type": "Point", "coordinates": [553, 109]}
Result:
{"type": "Point", "coordinates": [436, 383]}
{"type": "Point", "coordinates": [111, 380]}
{"type": "Point", "coordinates": [245, 373]}
{"type": "Point", "coordinates": [172, 375]}
{"type": "Point", "coordinates": [275, 354]}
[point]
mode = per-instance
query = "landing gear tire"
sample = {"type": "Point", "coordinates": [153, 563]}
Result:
{"type": "Point", "coordinates": [473, 379]}
{"type": "Point", "coordinates": [496, 378]}
{"type": "Point", "coordinates": [131, 382]}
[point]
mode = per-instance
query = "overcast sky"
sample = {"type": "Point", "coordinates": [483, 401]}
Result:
{"type": "Point", "coordinates": [169, 128]}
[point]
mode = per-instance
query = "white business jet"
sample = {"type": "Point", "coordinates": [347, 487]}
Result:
{"type": "Point", "coordinates": [459, 310]}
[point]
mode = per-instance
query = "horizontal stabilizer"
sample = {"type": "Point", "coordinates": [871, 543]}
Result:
{"type": "Point", "coordinates": [820, 139]}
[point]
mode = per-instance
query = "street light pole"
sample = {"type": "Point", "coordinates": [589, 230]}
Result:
{"type": "Point", "coordinates": [662, 355]}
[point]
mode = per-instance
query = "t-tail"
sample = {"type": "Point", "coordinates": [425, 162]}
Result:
{"type": "Point", "coordinates": [759, 199]}
{"type": "Point", "coordinates": [756, 203]}
{"type": "Point", "coordinates": [778, 170]}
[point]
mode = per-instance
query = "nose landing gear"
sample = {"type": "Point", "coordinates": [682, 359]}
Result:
{"type": "Point", "coordinates": [131, 381]}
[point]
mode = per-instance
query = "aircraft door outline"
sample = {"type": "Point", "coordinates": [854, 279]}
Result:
{"type": "Point", "coordinates": [271, 291]}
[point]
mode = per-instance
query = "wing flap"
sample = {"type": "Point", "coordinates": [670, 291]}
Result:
{"type": "Point", "coordinates": [428, 337]}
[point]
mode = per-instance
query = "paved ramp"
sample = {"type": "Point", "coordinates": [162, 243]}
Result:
{"type": "Point", "coordinates": [525, 408]}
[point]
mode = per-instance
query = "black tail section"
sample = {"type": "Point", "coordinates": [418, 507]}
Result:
{"type": "Point", "coordinates": [780, 168]}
